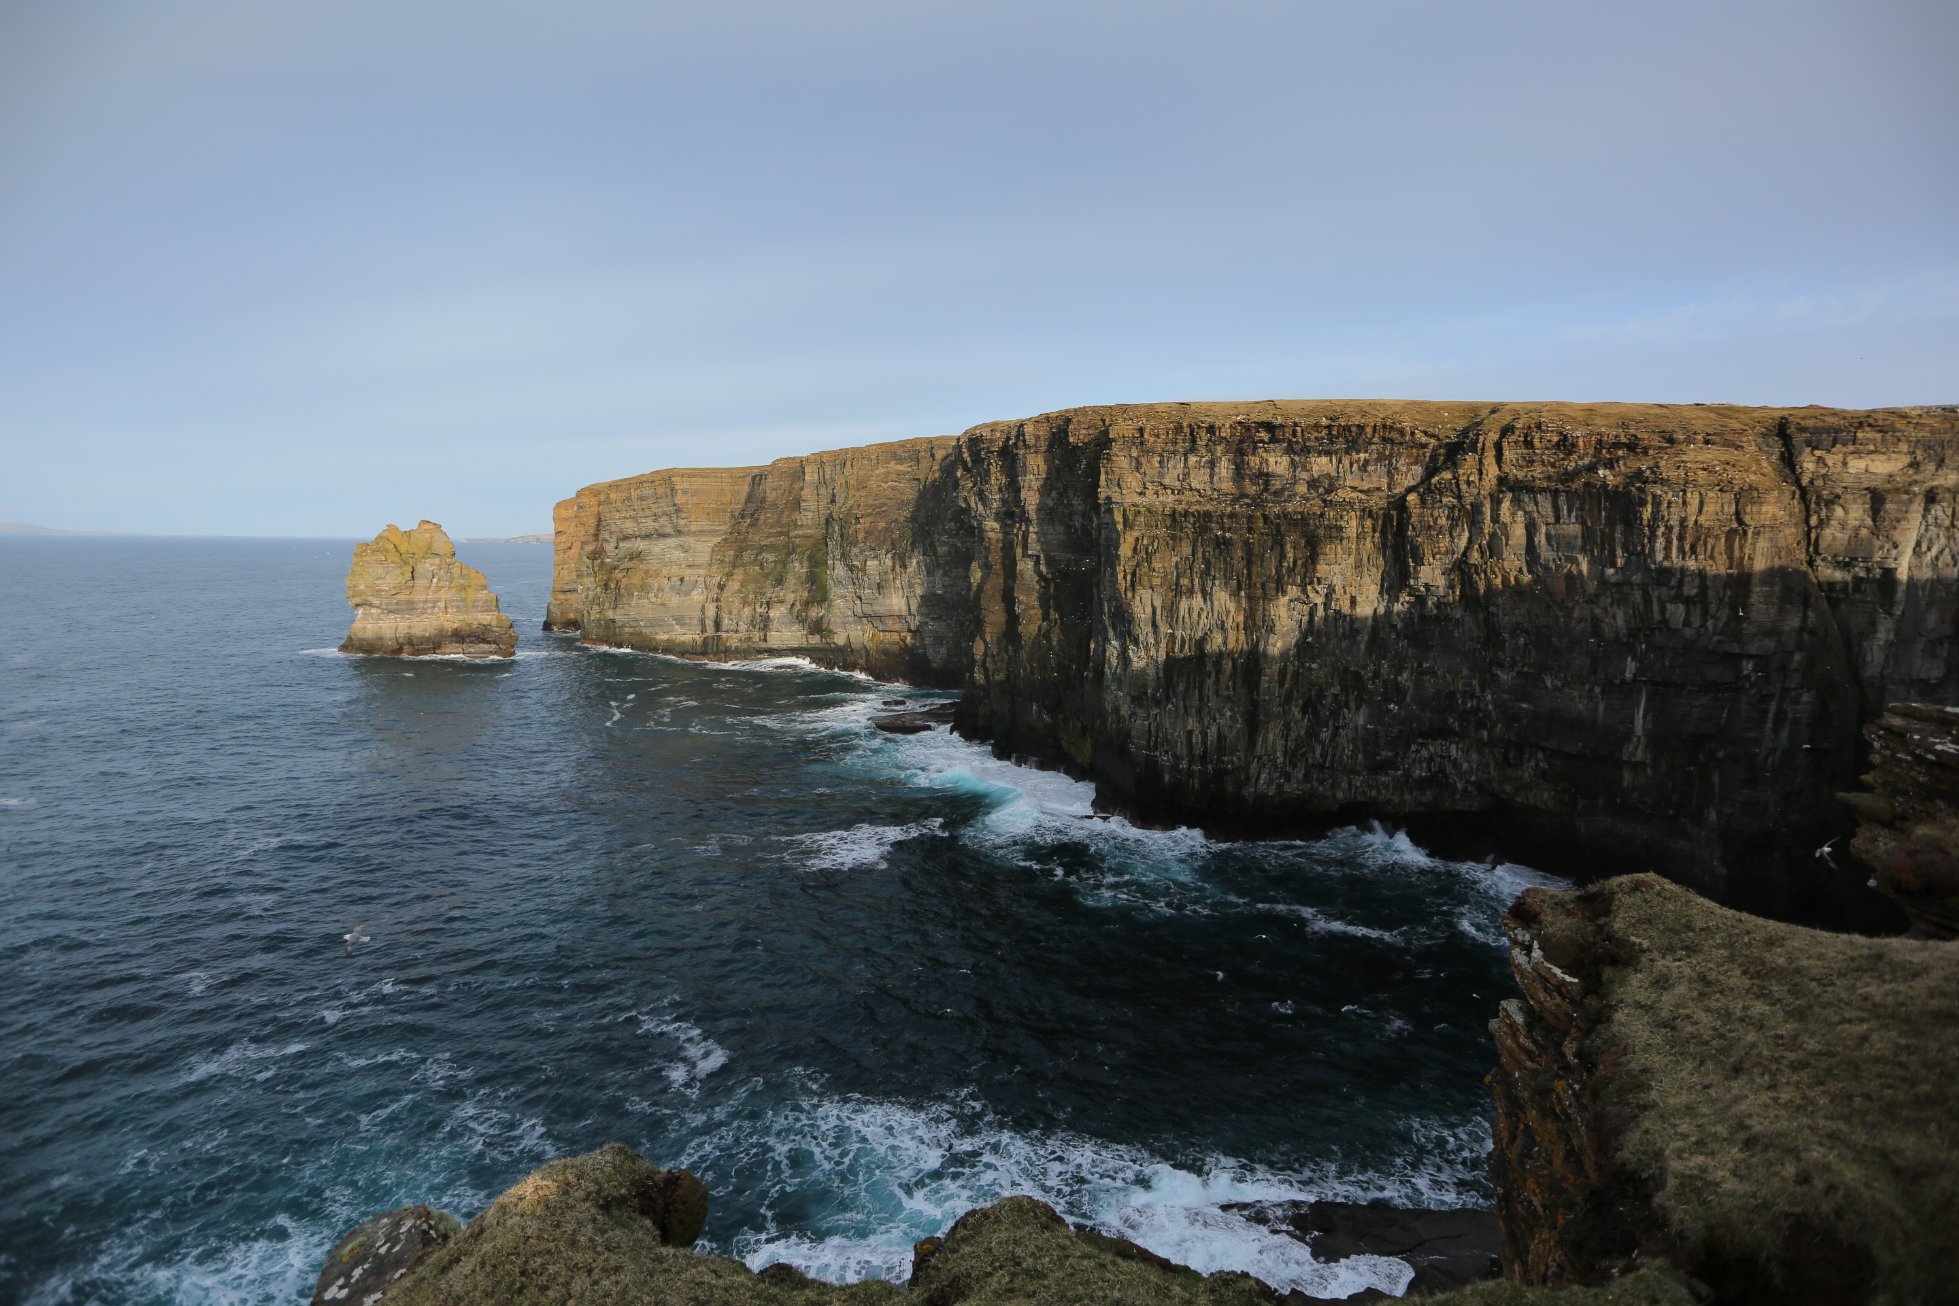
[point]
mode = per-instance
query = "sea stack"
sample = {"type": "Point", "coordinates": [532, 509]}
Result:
{"type": "Point", "coordinates": [411, 598]}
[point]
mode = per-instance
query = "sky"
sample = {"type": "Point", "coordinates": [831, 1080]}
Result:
{"type": "Point", "coordinates": [303, 269]}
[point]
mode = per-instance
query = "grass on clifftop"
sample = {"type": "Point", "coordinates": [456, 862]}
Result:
{"type": "Point", "coordinates": [1654, 1286]}
{"type": "Point", "coordinates": [1787, 1089]}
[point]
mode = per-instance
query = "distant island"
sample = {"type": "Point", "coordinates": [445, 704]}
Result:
{"type": "Point", "coordinates": [544, 538]}
{"type": "Point", "coordinates": [24, 528]}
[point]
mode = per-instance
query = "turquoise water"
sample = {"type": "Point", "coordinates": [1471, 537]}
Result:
{"type": "Point", "coordinates": [291, 938]}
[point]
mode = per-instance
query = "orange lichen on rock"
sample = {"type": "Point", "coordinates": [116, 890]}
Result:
{"type": "Point", "coordinates": [412, 598]}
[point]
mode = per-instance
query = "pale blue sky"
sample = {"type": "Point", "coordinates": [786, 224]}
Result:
{"type": "Point", "coordinates": [306, 268]}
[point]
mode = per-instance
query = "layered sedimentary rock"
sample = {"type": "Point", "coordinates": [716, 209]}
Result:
{"type": "Point", "coordinates": [1764, 1106]}
{"type": "Point", "coordinates": [1601, 637]}
{"type": "Point", "coordinates": [412, 598]}
{"type": "Point", "coordinates": [819, 557]}
{"type": "Point", "coordinates": [1908, 826]}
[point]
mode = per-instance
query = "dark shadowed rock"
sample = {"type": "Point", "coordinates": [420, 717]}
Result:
{"type": "Point", "coordinates": [1908, 824]}
{"type": "Point", "coordinates": [1446, 1248]}
{"type": "Point", "coordinates": [915, 723]}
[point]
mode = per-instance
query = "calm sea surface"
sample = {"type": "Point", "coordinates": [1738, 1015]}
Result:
{"type": "Point", "coordinates": [291, 938]}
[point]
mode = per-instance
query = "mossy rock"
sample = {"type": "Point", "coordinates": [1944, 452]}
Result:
{"type": "Point", "coordinates": [1018, 1252]}
{"type": "Point", "coordinates": [1785, 1095]}
{"type": "Point", "coordinates": [602, 1229]}
{"type": "Point", "coordinates": [1657, 1285]}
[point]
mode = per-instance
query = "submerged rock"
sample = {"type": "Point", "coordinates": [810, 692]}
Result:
{"type": "Point", "coordinates": [915, 722]}
{"type": "Point", "coordinates": [412, 598]}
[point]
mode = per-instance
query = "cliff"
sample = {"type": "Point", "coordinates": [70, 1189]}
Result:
{"type": "Point", "coordinates": [1765, 1107]}
{"type": "Point", "coordinates": [412, 598]}
{"type": "Point", "coordinates": [1599, 637]}
{"type": "Point", "coordinates": [1908, 831]}
{"type": "Point", "coordinates": [820, 557]}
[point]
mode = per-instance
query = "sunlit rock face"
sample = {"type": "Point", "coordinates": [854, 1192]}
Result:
{"type": "Point", "coordinates": [1599, 637]}
{"type": "Point", "coordinates": [821, 557]}
{"type": "Point", "coordinates": [412, 598]}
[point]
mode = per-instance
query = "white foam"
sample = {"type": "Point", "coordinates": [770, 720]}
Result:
{"type": "Point", "coordinates": [1320, 923]}
{"type": "Point", "coordinates": [430, 657]}
{"type": "Point", "coordinates": [696, 1056]}
{"type": "Point", "coordinates": [277, 1263]}
{"type": "Point", "coordinates": [890, 1173]}
{"type": "Point", "coordinates": [1027, 805]}
{"type": "Point", "coordinates": [859, 847]}
{"type": "Point", "coordinates": [1028, 811]}
{"type": "Point", "coordinates": [240, 1058]}
{"type": "Point", "coordinates": [771, 665]}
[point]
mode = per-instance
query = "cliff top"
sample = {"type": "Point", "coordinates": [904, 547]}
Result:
{"type": "Point", "coordinates": [1418, 414]}
{"type": "Point", "coordinates": [1771, 1082]}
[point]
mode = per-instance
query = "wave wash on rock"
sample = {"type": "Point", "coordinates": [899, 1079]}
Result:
{"type": "Point", "coordinates": [1601, 637]}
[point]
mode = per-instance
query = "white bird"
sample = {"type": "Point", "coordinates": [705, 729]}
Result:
{"type": "Point", "coordinates": [1824, 852]}
{"type": "Point", "coordinates": [351, 937]}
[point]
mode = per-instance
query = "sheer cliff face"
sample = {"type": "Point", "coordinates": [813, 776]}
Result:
{"type": "Point", "coordinates": [812, 557]}
{"type": "Point", "coordinates": [1613, 636]}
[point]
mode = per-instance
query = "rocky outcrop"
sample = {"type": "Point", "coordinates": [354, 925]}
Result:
{"type": "Point", "coordinates": [375, 1253]}
{"type": "Point", "coordinates": [1908, 823]}
{"type": "Point", "coordinates": [1765, 1107]}
{"type": "Point", "coordinates": [1600, 637]}
{"type": "Point", "coordinates": [411, 598]}
{"type": "Point", "coordinates": [610, 1228]}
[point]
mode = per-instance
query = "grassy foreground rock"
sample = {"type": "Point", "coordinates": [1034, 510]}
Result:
{"type": "Point", "coordinates": [611, 1229]}
{"type": "Point", "coordinates": [1767, 1107]}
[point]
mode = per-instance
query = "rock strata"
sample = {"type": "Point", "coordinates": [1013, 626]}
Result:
{"type": "Point", "coordinates": [1597, 637]}
{"type": "Point", "coordinates": [412, 598]}
{"type": "Point", "coordinates": [1908, 831]}
{"type": "Point", "coordinates": [1765, 1107]}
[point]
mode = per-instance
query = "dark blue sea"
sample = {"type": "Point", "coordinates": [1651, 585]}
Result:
{"type": "Point", "coordinates": [288, 938]}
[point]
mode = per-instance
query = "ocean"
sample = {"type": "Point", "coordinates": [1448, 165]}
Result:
{"type": "Point", "coordinates": [291, 938]}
